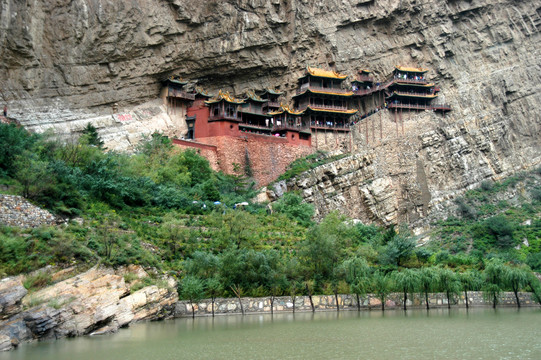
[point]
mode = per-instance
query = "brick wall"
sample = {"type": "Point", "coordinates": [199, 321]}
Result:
{"type": "Point", "coordinates": [267, 156]}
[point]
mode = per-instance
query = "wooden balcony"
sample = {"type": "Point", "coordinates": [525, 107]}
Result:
{"type": "Point", "coordinates": [311, 87]}
{"type": "Point", "coordinates": [180, 94]}
{"type": "Point", "coordinates": [329, 126]}
{"type": "Point", "coordinates": [224, 117]}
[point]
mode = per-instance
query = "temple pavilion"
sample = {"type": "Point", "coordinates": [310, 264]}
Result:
{"type": "Point", "coordinates": [253, 115]}
{"type": "Point", "coordinates": [224, 107]}
{"type": "Point", "coordinates": [363, 82]}
{"type": "Point", "coordinates": [273, 99]}
{"type": "Point", "coordinates": [411, 90]}
{"type": "Point", "coordinates": [323, 101]}
{"type": "Point", "coordinates": [176, 97]}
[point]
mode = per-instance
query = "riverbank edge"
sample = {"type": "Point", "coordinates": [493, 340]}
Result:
{"type": "Point", "coordinates": [284, 304]}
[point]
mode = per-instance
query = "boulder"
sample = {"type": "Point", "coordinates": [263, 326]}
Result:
{"type": "Point", "coordinates": [11, 293]}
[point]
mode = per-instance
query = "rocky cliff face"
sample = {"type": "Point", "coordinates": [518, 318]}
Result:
{"type": "Point", "coordinates": [65, 62]}
{"type": "Point", "coordinates": [95, 302]}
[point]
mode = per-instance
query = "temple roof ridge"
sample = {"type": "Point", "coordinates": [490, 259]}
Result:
{"type": "Point", "coordinates": [410, 69]}
{"type": "Point", "coordinates": [224, 95]}
{"type": "Point", "coordinates": [325, 73]}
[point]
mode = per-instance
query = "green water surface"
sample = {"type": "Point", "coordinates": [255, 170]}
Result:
{"type": "Point", "coordinates": [415, 334]}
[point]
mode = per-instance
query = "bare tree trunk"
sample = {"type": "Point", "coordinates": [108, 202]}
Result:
{"type": "Point", "coordinates": [237, 290]}
{"type": "Point", "coordinates": [515, 290]}
{"type": "Point", "coordinates": [310, 297]}
{"type": "Point", "coordinates": [358, 303]}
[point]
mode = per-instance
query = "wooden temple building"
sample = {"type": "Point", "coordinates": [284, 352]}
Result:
{"type": "Point", "coordinates": [322, 114]}
{"type": "Point", "coordinates": [323, 101]}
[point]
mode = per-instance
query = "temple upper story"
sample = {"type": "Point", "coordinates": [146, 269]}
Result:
{"type": "Point", "coordinates": [224, 107]}
{"type": "Point", "coordinates": [319, 81]}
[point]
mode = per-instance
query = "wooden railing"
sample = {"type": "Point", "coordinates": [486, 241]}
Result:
{"type": "Point", "coordinates": [290, 127]}
{"type": "Point", "coordinates": [224, 117]}
{"type": "Point", "coordinates": [304, 87]}
{"type": "Point", "coordinates": [329, 126]}
{"type": "Point", "coordinates": [436, 107]}
{"type": "Point", "coordinates": [324, 107]}
{"type": "Point", "coordinates": [406, 93]}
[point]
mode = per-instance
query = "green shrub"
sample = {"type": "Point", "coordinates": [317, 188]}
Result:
{"type": "Point", "coordinates": [487, 185]}
{"type": "Point", "coordinates": [465, 210]}
{"type": "Point", "coordinates": [37, 281]}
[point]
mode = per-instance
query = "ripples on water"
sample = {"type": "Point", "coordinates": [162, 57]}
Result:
{"type": "Point", "coordinates": [415, 334]}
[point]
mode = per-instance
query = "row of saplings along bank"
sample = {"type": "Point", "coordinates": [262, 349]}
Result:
{"type": "Point", "coordinates": [354, 276]}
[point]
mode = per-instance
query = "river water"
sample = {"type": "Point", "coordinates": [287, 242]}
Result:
{"type": "Point", "coordinates": [480, 333]}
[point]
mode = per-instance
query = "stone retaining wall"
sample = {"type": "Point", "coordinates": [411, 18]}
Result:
{"type": "Point", "coordinates": [346, 302]}
{"type": "Point", "coordinates": [17, 211]}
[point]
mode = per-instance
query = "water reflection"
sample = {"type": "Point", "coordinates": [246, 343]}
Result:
{"type": "Point", "coordinates": [480, 333]}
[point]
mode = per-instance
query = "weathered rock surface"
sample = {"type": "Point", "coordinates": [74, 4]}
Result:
{"type": "Point", "coordinates": [12, 292]}
{"type": "Point", "coordinates": [95, 302]}
{"type": "Point", "coordinates": [66, 63]}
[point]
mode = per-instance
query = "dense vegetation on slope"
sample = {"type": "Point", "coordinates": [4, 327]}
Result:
{"type": "Point", "coordinates": [167, 209]}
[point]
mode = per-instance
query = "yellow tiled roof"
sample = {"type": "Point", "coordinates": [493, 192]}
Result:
{"type": "Point", "coordinates": [350, 111]}
{"type": "Point", "coordinates": [325, 73]}
{"type": "Point", "coordinates": [411, 69]}
{"type": "Point", "coordinates": [285, 108]}
{"type": "Point", "coordinates": [200, 90]}
{"type": "Point", "coordinates": [224, 95]}
{"type": "Point", "coordinates": [252, 95]}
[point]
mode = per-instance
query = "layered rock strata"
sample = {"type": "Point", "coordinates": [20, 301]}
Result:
{"type": "Point", "coordinates": [95, 302]}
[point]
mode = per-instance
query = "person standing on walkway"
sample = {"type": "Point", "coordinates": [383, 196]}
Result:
{"type": "Point", "coordinates": [5, 110]}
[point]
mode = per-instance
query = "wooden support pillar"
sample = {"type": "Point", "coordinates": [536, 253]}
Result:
{"type": "Point", "coordinates": [396, 120]}
{"type": "Point", "coordinates": [366, 126]}
{"type": "Point", "coordinates": [380, 125]}
{"type": "Point", "coordinates": [402, 121]}
{"type": "Point", "coordinates": [373, 131]}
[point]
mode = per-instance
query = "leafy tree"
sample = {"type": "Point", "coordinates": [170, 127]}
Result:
{"type": "Point", "coordinates": [407, 281]}
{"type": "Point", "coordinates": [193, 289]}
{"type": "Point", "coordinates": [470, 280]}
{"type": "Point", "coordinates": [33, 174]}
{"type": "Point", "coordinates": [428, 280]}
{"type": "Point", "coordinates": [293, 278]}
{"type": "Point", "coordinates": [449, 283]}
{"type": "Point", "coordinates": [382, 285]}
{"type": "Point", "coordinates": [321, 252]}
{"type": "Point", "coordinates": [13, 142]}
{"type": "Point", "coordinates": [214, 288]}
{"type": "Point", "coordinates": [91, 136]}
{"type": "Point", "coordinates": [294, 208]}
{"type": "Point", "coordinates": [516, 278]}
{"type": "Point", "coordinates": [358, 277]}
{"type": "Point", "coordinates": [309, 285]}
{"type": "Point", "coordinates": [336, 283]}
{"type": "Point", "coordinates": [494, 280]}
{"type": "Point", "coordinates": [535, 286]}
{"type": "Point", "coordinates": [399, 248]}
